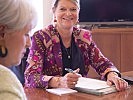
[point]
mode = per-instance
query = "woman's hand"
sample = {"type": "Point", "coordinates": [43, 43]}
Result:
{"type": "Point", "coordinates": [120, 84]}
{"type": "Point", "coordinates": [70, 79]}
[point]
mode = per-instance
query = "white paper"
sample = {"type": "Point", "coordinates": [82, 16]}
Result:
{"type": "Point", "coordinates": [89, 83]}
{"type": "Point", "coordinates": [60, 91]}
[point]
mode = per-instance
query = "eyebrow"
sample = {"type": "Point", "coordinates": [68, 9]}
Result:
{"type": "Point", "coordinates": [66, 7]}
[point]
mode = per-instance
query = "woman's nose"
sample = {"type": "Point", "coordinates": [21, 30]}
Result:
{"type": "Point", "coordinates": [69, 12]}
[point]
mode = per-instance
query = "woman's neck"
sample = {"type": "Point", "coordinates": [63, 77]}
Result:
{"type": "Point", "coordinates": [66, 35]}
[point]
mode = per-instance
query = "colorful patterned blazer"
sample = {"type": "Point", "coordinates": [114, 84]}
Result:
{"type": "Point", "coordinates": [45, 57]}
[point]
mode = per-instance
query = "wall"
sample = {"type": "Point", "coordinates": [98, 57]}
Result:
{"type": "Point", "coordinates": [47, 13]}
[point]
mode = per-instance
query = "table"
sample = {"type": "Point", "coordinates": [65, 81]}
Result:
{"type": "Point", "coordinates": [41, 94]}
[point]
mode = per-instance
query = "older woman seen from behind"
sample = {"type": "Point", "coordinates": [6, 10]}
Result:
{"type": "Point", "coordinates": [17, 18]}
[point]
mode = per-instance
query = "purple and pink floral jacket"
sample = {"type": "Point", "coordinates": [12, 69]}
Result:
{"type": "Point", "coordinates": [45, 57]}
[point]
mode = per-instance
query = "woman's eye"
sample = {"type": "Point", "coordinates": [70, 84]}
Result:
{"type": "Point", "coordinates": [27, 35]}
{"type": "Point", "coordinates": [73, 9]}
{"type": "Point", "coordinates": [62, 9]}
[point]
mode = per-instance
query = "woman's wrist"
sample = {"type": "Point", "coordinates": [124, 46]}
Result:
{"type": "Point", "coordinates": [54, 82]}
{"type": "Point", "coordinates": [111, 74]}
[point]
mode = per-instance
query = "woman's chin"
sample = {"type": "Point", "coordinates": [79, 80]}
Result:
{"type": "Point", "coordinates": [16, 63]}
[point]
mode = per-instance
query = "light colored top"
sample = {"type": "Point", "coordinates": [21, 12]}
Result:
{"type": "Point", "coordinates": [10, 87]}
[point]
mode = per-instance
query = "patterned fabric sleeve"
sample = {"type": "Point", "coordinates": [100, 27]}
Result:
{"type": "Point", "coordinates": [34, 75]}
{"type": "Point", "coordinates": [97, 60]}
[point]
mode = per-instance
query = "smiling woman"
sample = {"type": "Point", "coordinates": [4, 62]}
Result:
{"type": "Point", "coordinates": [62, 45]}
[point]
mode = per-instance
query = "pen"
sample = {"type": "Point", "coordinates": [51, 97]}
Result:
{"type": "Point", "coordinates": [69, 70]}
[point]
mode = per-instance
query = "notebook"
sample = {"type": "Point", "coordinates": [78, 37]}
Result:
{"type": "Point", "coordinates": [94, 86]}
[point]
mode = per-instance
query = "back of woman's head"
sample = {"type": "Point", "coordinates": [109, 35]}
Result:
{"type": "Point", "coordinates": [16, 14]}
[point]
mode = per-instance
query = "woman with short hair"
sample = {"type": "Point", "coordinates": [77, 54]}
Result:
{"type": "Point", "coordinates": [17, 18]}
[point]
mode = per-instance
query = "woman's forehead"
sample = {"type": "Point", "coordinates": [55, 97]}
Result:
{"type": "Point", "coordinates": [64, 4]}
{"type": "Point", "coordinates": [55, 2]}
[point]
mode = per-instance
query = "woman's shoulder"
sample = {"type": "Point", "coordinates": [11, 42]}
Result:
{"type": "Point", "coordinates": [4, 70]}
{"type": "Point", "coordinates": [10, 84]}
{"type": "Point", "coordinates": [81, 31]}
{"type": "Point", "coordinates": [85, 31]}
{"type": "Point", "coordinates": [83, 35]}
{"type": "Point", "coordinates": [7, 77]}
{"type": "Point", "coordinates": [46, 31]}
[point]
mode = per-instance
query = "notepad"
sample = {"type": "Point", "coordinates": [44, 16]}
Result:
{"type": "Point", "coordinates": [94, 86]}
{"type": "Point", "coordinates": [61, 91]}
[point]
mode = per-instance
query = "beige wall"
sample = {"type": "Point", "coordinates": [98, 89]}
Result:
{"type": "Point", "coordinates": [47, 14]}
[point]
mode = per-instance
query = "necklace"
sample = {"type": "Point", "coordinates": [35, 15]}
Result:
{"type": "Point", "coordinates": [68, 51]}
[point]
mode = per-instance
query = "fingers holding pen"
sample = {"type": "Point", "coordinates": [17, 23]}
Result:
{"type": "Point", "coordinates": [77, 70]}
{"type": "Point", "coordinates": [71, 80]}
{"type": "Point", "coordinates": [72, 77]}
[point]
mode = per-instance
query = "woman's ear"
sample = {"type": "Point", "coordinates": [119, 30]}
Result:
{"type": "Point", "coordinates": [2, 34]}
{"type": "Point", "coordinates": [53, 10]}
{"type": "Point", "coordinates": [2, 28]}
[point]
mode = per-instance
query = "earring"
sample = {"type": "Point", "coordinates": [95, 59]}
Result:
{"type": "Point", "coordinates": [3, 51]}
{"type": "Point", "coordinates": [55, 20]}
{"type": "Point", "coordinates": [77, 22]}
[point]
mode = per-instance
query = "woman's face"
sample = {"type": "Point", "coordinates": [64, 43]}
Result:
{"type": "Point", "coordinates": [16, 43]}
{"type": "Point", "coordinates": [66, 14]}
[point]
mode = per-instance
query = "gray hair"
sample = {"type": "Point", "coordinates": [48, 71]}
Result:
{"type": "Point", "coordinates": [55, 3]}
{"type": "Point", "coordinates": [17, 14]}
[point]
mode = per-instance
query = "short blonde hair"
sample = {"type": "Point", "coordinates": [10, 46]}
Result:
{"type": "Point", "coordinates": [55, 3]}
{"type": "Point", "coordinates": [16, 14]}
